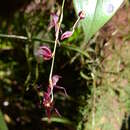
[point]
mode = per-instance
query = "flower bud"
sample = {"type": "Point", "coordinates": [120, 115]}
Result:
{"type": "Point", "coordinates": [55, 79]}
{"type": "Point", "coordinates": [54, 21]}
{"type": "Point", "coordinates": [81, 14]}
{"type": "Point", "coordinates": [67, 34]}
{"type": "Point", "coordinates": [55, 18]}
{"type": "Point", "coordinates": [45, 52]}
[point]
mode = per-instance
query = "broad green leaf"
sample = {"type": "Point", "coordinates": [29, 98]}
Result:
{"type": "Point", "coordinates": [98, 12]}
{"type": "Point", "coordinates": [3, 125]}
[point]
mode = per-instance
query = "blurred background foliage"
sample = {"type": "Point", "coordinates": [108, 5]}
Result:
{"type": "Point", "coordinates": [96, 74]}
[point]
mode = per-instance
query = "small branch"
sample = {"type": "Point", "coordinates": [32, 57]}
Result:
{"type": "Point", "coordinates": [14, 37]}
{"type": "Point", "coordinates": [24, 38]}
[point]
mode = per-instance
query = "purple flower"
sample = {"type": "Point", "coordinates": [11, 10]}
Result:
{"type": "Point", "coordinates": [55, 79]}
{"type": "Point", "coordinates": [81, 14]}
{"type": "Point", "coordinates": [54, 21]}
{"type": "Point", "coordinates": [45, 52]}
{"type": "Point", "coordinates": [66, 34]}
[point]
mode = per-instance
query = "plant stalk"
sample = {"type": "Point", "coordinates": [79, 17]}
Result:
{"type": "Point", "coordinates": [54, 50]}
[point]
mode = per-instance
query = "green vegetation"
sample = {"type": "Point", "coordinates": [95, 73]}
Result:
{"type": "Point", "coordinates": [95, 68]}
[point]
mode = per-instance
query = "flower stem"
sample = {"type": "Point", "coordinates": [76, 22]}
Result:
{"type": "Point", "coordinates": [76, 23]}
{"type": "Point", "coordinates": [54, 50]}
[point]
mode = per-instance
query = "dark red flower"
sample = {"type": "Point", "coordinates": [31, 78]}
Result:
{"type": "Point", "coordinates": [45, 52]}
{"type": "Point", "coordinates": [48, 101]}
{"type": "Point", "coordinates": [47, 104]}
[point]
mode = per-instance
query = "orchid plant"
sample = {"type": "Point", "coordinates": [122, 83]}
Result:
{"type": "Point", "coordinates": [47, 54]}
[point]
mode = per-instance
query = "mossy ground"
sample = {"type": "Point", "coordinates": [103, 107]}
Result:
{"type": "Point", "coordinates": [112, 95]}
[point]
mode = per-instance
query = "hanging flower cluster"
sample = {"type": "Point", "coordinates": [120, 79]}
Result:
{"type": "Point", "coordinates": [45, 52]}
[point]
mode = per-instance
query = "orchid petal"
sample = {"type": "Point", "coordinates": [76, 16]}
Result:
{"type": "Point", "coordinates": [67, 34]}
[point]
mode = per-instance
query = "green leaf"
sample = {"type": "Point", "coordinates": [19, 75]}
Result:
{"type": "Point", "coordinates": [98, 12]}
{"type": "Point", "coordinates": [3, 125]}
{"type": "Point", "coordinates": [58, 120]}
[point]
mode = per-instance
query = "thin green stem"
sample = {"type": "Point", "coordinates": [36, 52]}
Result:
{"type": "Point", "coordinates": [13, 36]}
{"type": "Point", "coordinates": [59, 120]}
{"type": "Point", "coordinates": [24, 38]}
